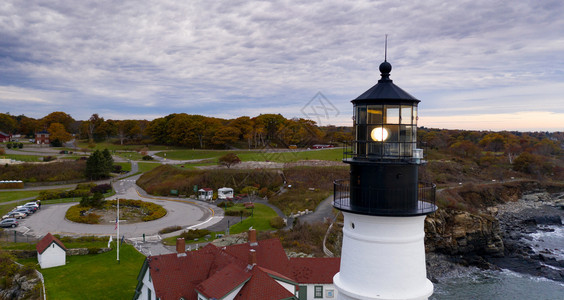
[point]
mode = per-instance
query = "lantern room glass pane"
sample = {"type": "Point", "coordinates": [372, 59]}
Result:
{"type": "Point", "coordinates": [361, 114]}
{"type": "Point", "coordinates": [393, 133]}
{"type": "Point", "coordinates": [374, 114]}
{"type": "Point", "coordinates": [406, 133]}
{"type": "Point", "coordinates": [392, 114]}
{"type": "Point", "coordinates": [361, 138]}
{"type": "Point", "coordinates": [415, 117]}
{"type": "Point", "coordinates": [406, 117]}
{"type": "Point", "coordinates": [407, 149]}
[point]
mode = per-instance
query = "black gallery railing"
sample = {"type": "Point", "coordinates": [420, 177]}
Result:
{"type": "Point", "coordinates": [403, 201]}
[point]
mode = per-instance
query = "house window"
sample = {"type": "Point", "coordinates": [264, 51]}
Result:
{"type": "Point", "coordinates": [318, 291]}
{"type": "Point", "coordinates": [149, 294]}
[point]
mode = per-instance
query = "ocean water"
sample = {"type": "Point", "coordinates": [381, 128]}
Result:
{"type": "Point", "coordinates": [506, 284]}
{"type": "Point", "coordinates": [498, 285]}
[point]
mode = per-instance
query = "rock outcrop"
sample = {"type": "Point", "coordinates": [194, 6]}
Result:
{"type": "Point", "coordinates": [456, 232]}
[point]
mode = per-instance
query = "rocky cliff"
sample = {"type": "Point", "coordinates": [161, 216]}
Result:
{"type": "Point", "coordinates": [456, 232]}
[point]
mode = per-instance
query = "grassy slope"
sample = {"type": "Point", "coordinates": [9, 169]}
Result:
{"type": "Point", "coordinates": [326, 154]}
{"type": "Point", "coordinates": [20, 157]}
{"type": "Point", "coordinates": [95, 276]}
{"type": "Point", "coordinates": [15, 195]}
{"type": "Point", "coordinates": [259, 221]}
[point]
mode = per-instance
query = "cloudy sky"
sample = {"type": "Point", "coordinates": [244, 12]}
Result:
{"type": "Point", "coordinates": [478, 64]}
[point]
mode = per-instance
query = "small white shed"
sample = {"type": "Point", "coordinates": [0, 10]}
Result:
{"type": "Point", "coordinates": [205, 194]}
{"type": "Point", "coordinates": [51, 252]}
{"type": "Point", "coordinates": [225, 193]}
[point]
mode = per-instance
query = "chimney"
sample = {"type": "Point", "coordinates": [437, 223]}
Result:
{"type": "Point", "coordinates": [252, 257]}
{"type": "Point", "coordinates": [180, 245]}
{"type": "Point", "coordinates": [253, 237]}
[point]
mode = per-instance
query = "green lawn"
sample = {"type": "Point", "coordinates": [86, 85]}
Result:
{"type": "Point", "coordinates": [125, 166]}
{"type": "Point", "coordinates": [171, 241]}
{"type": "Point", "coordinates": [290, 156]}
{"type": "Point", "coordinates": [259, 221]}
{"type": "Point", "coordinates": [21, 157]}
{"type": "Point", "coordinates": [95, 276]}
{"type": "Point", "coordinates": [147, 166]}
{"type": "Point", "coordinates": [325, 154]}
{"type": "Point", "coordinates": [192, 154]}
{"type": "Point", "coordinates": [111, 146]}
{"type": "Point", "coordinates": [15, 195]}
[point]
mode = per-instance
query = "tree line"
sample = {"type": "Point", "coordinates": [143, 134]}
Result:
{"type": "Point", "coordinates": [193, 131]}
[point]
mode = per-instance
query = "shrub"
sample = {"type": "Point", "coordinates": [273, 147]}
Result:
{"type": "Point", "coordinates": [237, 212]}
{"type": "Point", "coordinates": [226, 204]}
{"type": "Point", "coordinates": [9, 145]}
{"type": "Point", "coordinates": [2, 151]}
{"type": "Point", "coordinates": [101, 188]}
{"type": "Point", "coordinates": [170, 229]}
{"type": "Point", "coordinates": [117, 169]}
{"type": "Point", "coordinates": [85, 186]}
{"type": "Point", "coordinates": [152, 211]}
{"type": "Point", "coordinates": [57, 171]}
{"type": "Point", "coordinates": [277, 222]}
{"type": "Point", "coordinates": [48, 158]}
{"type": "Point", "coordinates": [194, 234]}
{"type": "Point", "coordinates": [20, 145]}
{"type": "Point", "coordinates": [148, 157]}
{"type": "Point", "coordinates": [95, 200]}
{"type": "Point", "coordinates": [79, 214]}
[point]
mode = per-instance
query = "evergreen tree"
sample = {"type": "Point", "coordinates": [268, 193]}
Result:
{"type": "Point", "coordinates": [98, 165]}
{"type": "Point", "coordinates": [108, 161]}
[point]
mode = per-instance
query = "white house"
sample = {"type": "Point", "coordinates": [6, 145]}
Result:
{"type": "Point", "coordinates": [205, 194]}
{"type": "Point", "coordinates": [225, 193]}
{"type": "Point", "coordinates": [51, 252]}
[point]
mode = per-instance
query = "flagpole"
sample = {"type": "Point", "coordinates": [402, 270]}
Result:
{"type": "Point", "coordinates": [117, 225]}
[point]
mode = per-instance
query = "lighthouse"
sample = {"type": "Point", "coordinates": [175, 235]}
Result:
{"type": "Point", "coordinates": [383, 203]}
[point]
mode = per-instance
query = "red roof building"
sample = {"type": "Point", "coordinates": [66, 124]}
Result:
{"type": "Point", "coordinates": [51, 252]}
{"type": "Point", "coordinates": [255, 270]}
{"type": "Point", "coordinates": [4, 137]}
{"type": "Point", "coordinates": [42, 137]}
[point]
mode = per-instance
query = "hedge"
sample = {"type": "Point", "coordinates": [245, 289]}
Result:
{"type": "Point", "coordinates": [152, 211]}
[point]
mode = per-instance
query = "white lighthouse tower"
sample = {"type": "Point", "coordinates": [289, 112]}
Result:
{"type": "Point", "coordinates": [384, 205]}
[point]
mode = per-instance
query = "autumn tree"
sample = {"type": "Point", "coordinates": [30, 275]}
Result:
{"type": "Point", "coordinates": [8, 123]}
{"type": "Point", "coordinates": [465, 148]}
{"type": "Point", "coordinates": [226, 136]}
{"type": "Point", "coordinates": [58, 135]}
{"type": "Point", "coordinates": [228, 159]}
{"type": "Point", "coordinates": [58, 117]}
{"type": "Point", "coordinates": [27, 126]}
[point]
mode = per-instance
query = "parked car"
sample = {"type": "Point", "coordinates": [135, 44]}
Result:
{"type": "Point", "coordinates": [15, 215]}
{"type": "Point", "coordinates": [31, 204]}
{"type": "Point", "coordinates": [10, 222]}
{"type": "Point", "coordinates": [32, 207]}
{"type": "Point", "coordinates": [29, 209]}
{"type": "Point", "coordinates": [22, 210]}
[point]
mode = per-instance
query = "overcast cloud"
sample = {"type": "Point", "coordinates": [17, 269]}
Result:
{"type": "Point", "coordinates": [474, 64]}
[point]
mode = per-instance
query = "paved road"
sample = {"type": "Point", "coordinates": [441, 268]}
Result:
{"type": "Point", "coordinates": [185, 213]}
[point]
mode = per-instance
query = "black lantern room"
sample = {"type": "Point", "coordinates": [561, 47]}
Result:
{"type": "Point", "coordinates": [384, 158]}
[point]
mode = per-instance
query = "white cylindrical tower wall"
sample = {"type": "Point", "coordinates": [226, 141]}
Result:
{"type": "Point", "coordinates": [383, 258]}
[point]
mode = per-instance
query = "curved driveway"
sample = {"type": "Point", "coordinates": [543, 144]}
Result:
{"type": "Point", "coordinates": [184, 213]}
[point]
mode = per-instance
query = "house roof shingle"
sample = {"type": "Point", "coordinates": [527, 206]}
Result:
{"type": "Point", "coordinates": [215, 272]}
{"type": "Point", "coordinates": [314, 269]}
{"type": "Point", "coordinates": [46, 241]}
